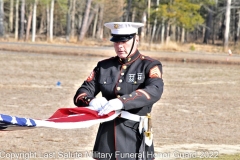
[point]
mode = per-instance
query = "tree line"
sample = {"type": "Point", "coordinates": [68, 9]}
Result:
{"type": "Point", "coordinates": [201, 21]}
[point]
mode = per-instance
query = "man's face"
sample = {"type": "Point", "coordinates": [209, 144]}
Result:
{"type": "Point", "coordinates": [123, 48]}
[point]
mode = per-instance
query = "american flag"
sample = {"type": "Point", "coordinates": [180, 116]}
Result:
{"type": "Point", "coordinates": [63, 118]}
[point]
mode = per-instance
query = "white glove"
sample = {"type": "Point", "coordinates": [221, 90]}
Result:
{"type": "Point", "coordinates": [112, 105]}
{"type": "Point", "coordinates": [98, 103]}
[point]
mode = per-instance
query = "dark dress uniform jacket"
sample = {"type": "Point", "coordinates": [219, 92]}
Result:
{"type": "Point", "coordinates": [137, 82]}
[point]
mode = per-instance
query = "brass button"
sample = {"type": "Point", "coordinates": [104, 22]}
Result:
{"type": "Point", "coordinates": [142, 57]}
{"type": "Point", "coordinates": [124, 67]}
{"type": "Point", "coordinates": [122, 74]}
{"type": "Point", "coordinates": [88, 100]}
{"type": "Point", "coordinates": [120, 59]}
{"type": "Point", "coordinates": [129, 59]}
{"type": "Point", "coordinates": [120, 81]}
{"type": "Point", "coordinates": [118, 96]}
{"type": "Point", "coordinates": [130, 95]}
{"type": "Point", "coordinates": [135, 82]}
{"type": "Point", "coordinates": [124, 98]}
{"type": "Point", "coordinates": [118, 88]}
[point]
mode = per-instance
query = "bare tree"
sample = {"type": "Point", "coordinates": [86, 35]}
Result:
{"type": "Point", "coordinates": [133, 14]}
{"type": "Point", "coordinates": [51, 21]}
{"type": "Point", "coordinates": [68, 20]}
{"type": "Point", "coordinates": [173, 32]}
{"type": "Point", "coordinates": [73, 18]}
{"type": "Point", "coordinates": [227, 24]}
{"type": "Point", "coordinates": [48, 21]}
{"type": "Point", "coordinates": [236, 20]}
{"type": "Point", "coordinates": [155, 25]}
{"type": "Point", "coordinates": [85, 21]}
{"type": "Point", "coordinates": [148, 33]}
{"type": "Point", "coordinates": [11, 16]}
{"type": "Point", "coordinates": [215, 19]}
{"type": "Point", "coordinates": [238, 26]}
{"type": "Point", "coordinates": [183, 35]}
{"type": "Point", "coordinates": [91, 16]}
{"type": "Point", "coordinates": [209, 21]}
{"type": "Point", "coordinates": [167, 32]}
{"type": "Point", "coordinates": [34, 18]}
{"type": "Point", "coordinates": [143, 31]}
{"type": "Point", "coordinates": [129, 7]}
{"type": "Point", "coordinates": [29, 22]}
{"type": "Point", "coordinates": [16, 20]}
{"type": "Point", "coordinates": [162, 31]}
{"type": "Point", "coordinates": [95, 21]}
{"type": "Point", "coordinates": [99, 33]}
{"type": "Point", "coordinates": [22, 26]}
{"type": "Point", "coordinates": [41, 28]}
{"type": "Point", "coordinates": [1, 19]}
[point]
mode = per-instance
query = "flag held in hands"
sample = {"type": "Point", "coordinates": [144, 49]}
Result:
{"type": "Point", "coordinates": [63, 118]}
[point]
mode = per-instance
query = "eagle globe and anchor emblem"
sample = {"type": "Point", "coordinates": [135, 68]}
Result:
{"type": "Point", "coordinates": [116, 26]}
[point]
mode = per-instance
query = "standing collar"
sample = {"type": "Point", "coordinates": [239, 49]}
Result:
{"type": "Point", "coordinates": [129, 59]}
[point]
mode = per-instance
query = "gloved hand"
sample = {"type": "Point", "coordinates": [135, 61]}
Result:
{"type": "Point", "coordinates": [112, 105]}
{"type": "Point", "coordinates": [98, 103]}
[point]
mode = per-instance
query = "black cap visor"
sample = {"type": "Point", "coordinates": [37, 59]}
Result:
{"type": "Point", "coordinates": [121, 38]}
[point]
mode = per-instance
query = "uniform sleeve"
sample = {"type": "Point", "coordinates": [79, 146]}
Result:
{"type": "Point", "coordinates": [148, 95]}
{"type": "Point", "coordinates": [88, 90]}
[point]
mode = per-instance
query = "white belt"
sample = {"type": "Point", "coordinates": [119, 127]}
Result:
{"type": "Point", "coordinates": [130, 116]}
{"type": "Point", "coordinates": [143, 124]}
{"type": "Point", "coordinates": [143, 120]}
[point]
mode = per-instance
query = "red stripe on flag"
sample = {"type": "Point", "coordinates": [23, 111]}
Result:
{"type": "Point", "coordinates": [76, 115]}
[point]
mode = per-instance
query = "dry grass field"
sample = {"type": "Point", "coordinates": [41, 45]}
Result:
{"type": "Point", "coordinates": [157, 46]}
{"type": "Point", "coordinates": [199, 110]}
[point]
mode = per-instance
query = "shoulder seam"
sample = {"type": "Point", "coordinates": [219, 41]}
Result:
{"type": "Point", "coordinates": [143, 57]}
{"type": "Point", "coordinates": [106, 59]}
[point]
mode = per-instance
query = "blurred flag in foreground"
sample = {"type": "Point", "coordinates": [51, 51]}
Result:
{"type": "Point", "coordinates": [63, 118]}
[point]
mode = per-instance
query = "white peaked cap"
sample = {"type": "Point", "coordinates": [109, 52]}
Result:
{"type": "Point", "coordinates": [123, 28]}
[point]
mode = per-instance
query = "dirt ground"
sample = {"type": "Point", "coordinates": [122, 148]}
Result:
{"type": "Point", "coordinates": [199, 109]}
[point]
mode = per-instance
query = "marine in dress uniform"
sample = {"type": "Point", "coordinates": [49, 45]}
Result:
{"type": "Point", "coordinates": [131, 84]}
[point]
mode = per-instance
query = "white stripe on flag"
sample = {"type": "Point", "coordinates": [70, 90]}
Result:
{"type": "Point", "coordinates": [63, 118]}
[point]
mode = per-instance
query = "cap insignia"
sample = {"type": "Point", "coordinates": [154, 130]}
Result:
{"type": "Point", "coordinates": [116, 26]}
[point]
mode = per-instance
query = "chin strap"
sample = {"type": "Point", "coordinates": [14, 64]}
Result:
{"type": "Point", "coordinates": [132, 46]}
